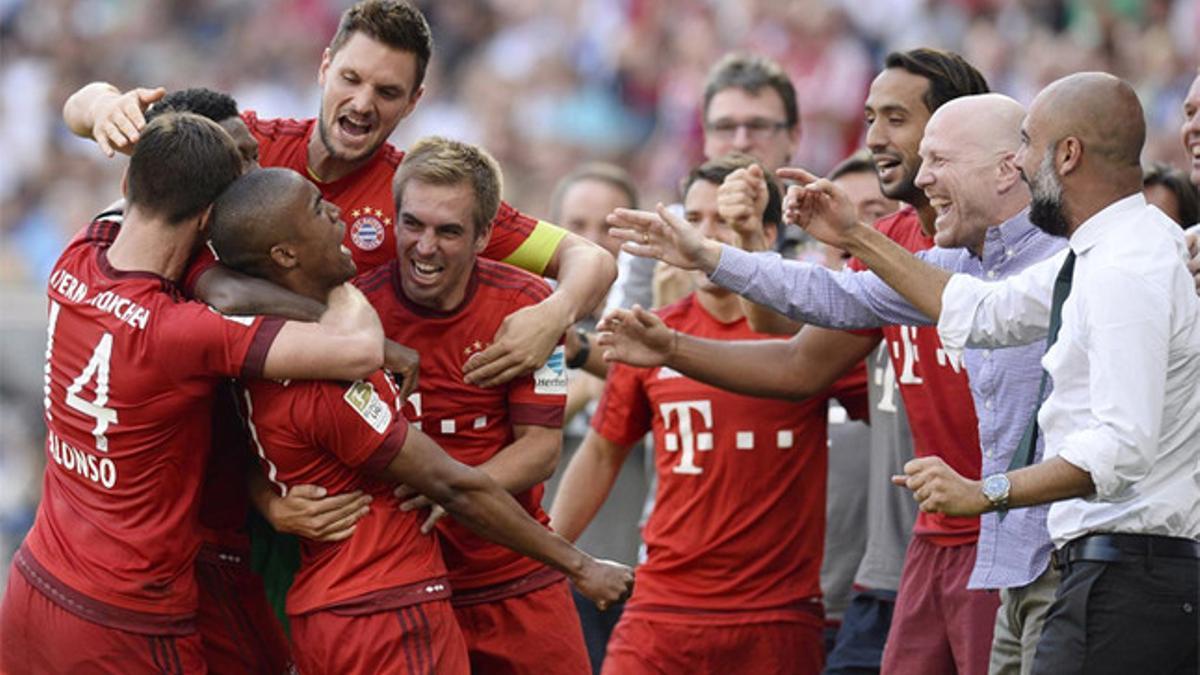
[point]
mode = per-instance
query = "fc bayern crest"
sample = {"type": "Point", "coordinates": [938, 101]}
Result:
{"type": "Point", "coordinates": [369, 228]}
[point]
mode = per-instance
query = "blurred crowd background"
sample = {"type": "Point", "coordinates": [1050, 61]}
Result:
{"type": "Point", "coordinates": [542, 84]}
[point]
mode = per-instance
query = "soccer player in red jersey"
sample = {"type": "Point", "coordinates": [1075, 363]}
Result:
{"type": "Point", "coordinates": [378, 601]}
{"type": "Point", "coordinates": [103, 581]}
{"type": "Point", "coordinates": [441, 299]}
{"type": "Point", "coordinates": [731, 582]}
{"type": "Point", "coordinates": [371, 78]}
{"type": "Point", "coordinates": [938, 625]}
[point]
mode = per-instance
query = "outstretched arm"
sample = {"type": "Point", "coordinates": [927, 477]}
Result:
{"type": "Point", "coordinates": [113, 119]}
{"type": "Point", "coordinates": [825, 211]}
{"type": "Point", "coordinates": [527, 337]}
{"type": "Point", "coordinates": [530, 459]}
{"type": "Point", "coordinates": [586, 483]}
{"type": "Point", "coordinates": [481, 504]}
{"type": "Point", "coordinates": [803, 366]}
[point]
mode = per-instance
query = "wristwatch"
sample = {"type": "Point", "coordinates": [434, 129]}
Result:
{"type": "Point", "coordinates": [995, 488]}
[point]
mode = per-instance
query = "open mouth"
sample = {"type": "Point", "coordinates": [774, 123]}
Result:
{"type": "Point", "coordinates": [426, 273]}
{"type": "Point", "coordinates": [940, 204]}
{"type": "Point", "coordinates": [352, 128]}
{"type": "Point", "coordinates": [888, 168]}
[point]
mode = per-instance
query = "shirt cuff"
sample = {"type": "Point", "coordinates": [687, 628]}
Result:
{"type": "Point", "coordinates": [735, 269]}
{"type": "Point", "coordinates": [960, 299]}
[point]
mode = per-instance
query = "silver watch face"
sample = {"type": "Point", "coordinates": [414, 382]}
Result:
{"type": "Point", "coordinates": [995, 487]}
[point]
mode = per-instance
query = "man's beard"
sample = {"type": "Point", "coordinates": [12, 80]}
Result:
{"type": "Point", "coordinates": [324, 133]}
{"type": "Point", "coordinates": [1046, 206]}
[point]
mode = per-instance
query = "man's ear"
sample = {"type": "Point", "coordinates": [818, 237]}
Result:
{"type": "Point", "coordinates": [1069, 155]}
{"type": "Point", "coordinates": [284, 255]}
{"type": "Point", "coordinates": [1007, 173]}
{"type": "Point", "coordinates": [770, 233]}
{"type": "Point", "coordinates": [205, 220]}
{"type": "Point", "coordinates": [481, 241]}
{"type": "Point", "coordinates": [326, 59]}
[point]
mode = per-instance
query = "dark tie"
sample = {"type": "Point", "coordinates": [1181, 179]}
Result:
{"type": "Point", "coordinates": [1028, 446]}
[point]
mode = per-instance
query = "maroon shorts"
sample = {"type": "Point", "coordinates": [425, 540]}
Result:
{"type": "Point", "coordinates": [420, 639]}
{"type": "Point", "coordinates": [939, 626]}
{"type": "Point", "coordinates": [237, 627]}
{"type": "Point", "coordinates": [38, 636]}
{"type": "Point", "coordinates": [536, 632]}
{"type": "Point", "coordinates": [643, 642]}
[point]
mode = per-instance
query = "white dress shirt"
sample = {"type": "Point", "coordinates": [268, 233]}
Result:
{"type": "Point", "coordinates": [1126, 368]}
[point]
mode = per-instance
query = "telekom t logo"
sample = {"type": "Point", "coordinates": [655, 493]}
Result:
{"type": "Point", "coordinates": [686, 438]}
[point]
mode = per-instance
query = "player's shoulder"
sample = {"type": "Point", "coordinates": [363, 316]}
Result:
{"type": "Point", "coordinates": [276, 127]}
{"type": "Point", "coordinates": [515, 285]}
{"type": "Point", "coordinates": [378, 278]}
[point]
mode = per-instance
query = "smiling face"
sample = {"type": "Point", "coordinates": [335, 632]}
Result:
{"type": "Point", "coordinates": [366, 89]}
{"type": "Point", "coordinates": [752, 123]}
{"type": "Point", "coordinates": [896, 115]}
{"type": "Point", "coordinates": [437, 243]}
{"type": "Point", "coordinates": [317, 238]}
{"type": "Point", "coordinates": [959, 177]}
{"type": "Point", "coordinates": [1190, 131]}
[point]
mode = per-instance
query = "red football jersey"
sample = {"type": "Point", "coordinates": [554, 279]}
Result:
{"type": "Point", "coordinates": [130, 375]}
{"type": "Point", "coordinates": [223, 497]}
{"type": "Point", "coordinates": [936, 394]}
{"type": "Point", "coordinates": [472, 423]}
{"type": "Point", "coordinates": [739, 516]}
{"type": "Point", "coordinates": [329, 434]}
{"type": "Point", "coordinates": [369, 210]}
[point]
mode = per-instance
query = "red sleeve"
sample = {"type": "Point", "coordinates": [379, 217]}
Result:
{"type": "Point", "coordinates": [623, 414]}
{"type": "Point", "coordinates": [851, 391]}
{"type": "Point", "coordinates": [540, 398]}
{"type": "Point", "coordinates": [510, 229]}
{"type": "Point", "coordinates": [208, 342]}
{"type": "Point", "coordinates": [357, 423]}
{"type": "Point", "coordinates": [203, 261]}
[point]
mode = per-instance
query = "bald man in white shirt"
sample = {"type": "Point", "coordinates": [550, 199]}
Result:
{"type": "Point", "coordinates": [1122, 424]}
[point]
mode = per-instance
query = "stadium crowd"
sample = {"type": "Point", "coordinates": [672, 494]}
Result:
{"type": "Point", "coordinates": [874, 428]}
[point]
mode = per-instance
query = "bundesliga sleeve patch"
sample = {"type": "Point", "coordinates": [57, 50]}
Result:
{"type": "Point", "coordinates": [551, 378]}
{"type": "Point", "coordinates": [366, 402]}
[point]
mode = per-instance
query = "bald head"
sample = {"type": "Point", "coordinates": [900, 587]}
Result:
{"type": "Point", "coordinates": [254, 214]}
{"type": "Point", "coordinates": [1099, 109]}
{"type": "Point", "coordinates": [989, 123]}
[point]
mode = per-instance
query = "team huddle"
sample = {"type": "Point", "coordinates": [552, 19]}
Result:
{"type": "Point", "coordinates": [303, 390]}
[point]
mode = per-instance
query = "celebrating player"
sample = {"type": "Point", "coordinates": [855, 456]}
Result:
{"type": "Point", "coordinates": [371, 78]}
{"type": "Point", "coordinates": [105, 579]}
{"type": "Point", "coordinates": [386, 585]}
{"type": "Point", "coordinates": [441, 299]}
{"type": "Point", "coordinates": [731, 582]}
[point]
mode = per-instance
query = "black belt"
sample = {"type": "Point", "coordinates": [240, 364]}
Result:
{"type": "Point", "coordinates": [1125, 548]}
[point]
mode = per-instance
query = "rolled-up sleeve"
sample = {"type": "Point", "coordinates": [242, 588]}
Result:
{"type": "Point", "coordinates": [814, 294]}
{"type": "Point", "coordinates": [1128, 323]}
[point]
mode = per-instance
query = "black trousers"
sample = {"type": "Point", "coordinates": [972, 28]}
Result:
{"type": "Point", "coordinates": [1132, 617]}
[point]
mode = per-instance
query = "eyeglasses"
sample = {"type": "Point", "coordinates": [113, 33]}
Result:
{"type": "Point", "coordinates": [758, 129]}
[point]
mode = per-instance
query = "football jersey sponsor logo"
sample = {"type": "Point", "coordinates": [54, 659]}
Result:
{"type": "Point", "coordinates": [552, 378]}
{"type": "Point", "coordinates": [366, 402]}
{"type": "Point", "coordinates": [369, 228]}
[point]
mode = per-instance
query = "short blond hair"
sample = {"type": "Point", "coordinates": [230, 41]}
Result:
{"type": "Point", "coordinates": [440, 161]}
